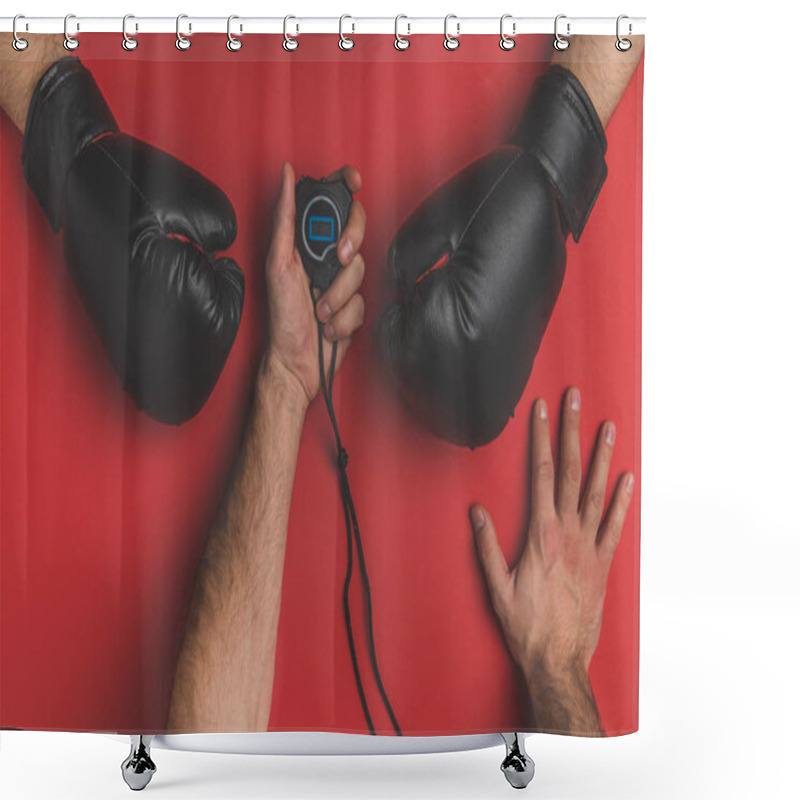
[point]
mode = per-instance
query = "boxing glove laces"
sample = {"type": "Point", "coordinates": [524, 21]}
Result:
{"type": "Point", "coordinates": [140, 234]}
{"type": "Point", "coordinates": [480, 263]}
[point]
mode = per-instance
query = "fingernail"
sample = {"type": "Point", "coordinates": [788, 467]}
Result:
{"type": "Point", "coordinates": [347, 250]}
{"type": "Point", "coordinates": [611, 433]}
{"type": "Point", "coordinates": [542, 409]}
{"type": "Point", "coordinates": [330, 333]}
{"type": "Point", "coordinates": [575, 400]}
{"type": "Point", "coordinates": [629, 483]}
{"type": "Point", "coordinates": [477, 518]}
{"type": "Point", "coordinates": [323, 312]}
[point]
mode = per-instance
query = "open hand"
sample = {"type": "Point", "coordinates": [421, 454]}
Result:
{"type": "Point", "coordinates": [550, 605]}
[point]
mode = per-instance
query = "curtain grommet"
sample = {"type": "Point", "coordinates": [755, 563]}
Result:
{"type": "Point", "coordinates": [560, 42]}
{"type": "Point", "coordinates": [70, 42]}
{"type": "Point", "coordinates": [401, 42]}
{"type": "Point", "coordinates": [290, 43]}
{"type": "Point", "coordinates": [18, 43]}
{"type": "Point", "coordinates": [181, 41]}
{"type": "Point", "coordinates": [507, 42]}
{"type": "Point", "coordinates": [623, 45]}
{"type": "Point", "coordinates": [234, 44]}
{"type": "Point", "coordinates": [345, 42]}
{"type": "Point", "coordinates": [451, 42]}
{"type": "Point", "coordinates": [129, 42]}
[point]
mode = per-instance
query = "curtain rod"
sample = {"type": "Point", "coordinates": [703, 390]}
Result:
{"type": "Point", "coordinates": [297, 25]}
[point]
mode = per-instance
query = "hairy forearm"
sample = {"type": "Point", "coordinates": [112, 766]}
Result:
{"type": "Point", "coordinates": [223, 680]}
{"type": "Point", "coordinates": [604, 71]}
{"type": "Point", "coordinates": [20, 71]}
{"type": "Point", "coordinates": [563, 702]}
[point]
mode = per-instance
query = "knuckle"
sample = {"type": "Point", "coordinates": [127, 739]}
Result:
{"type": "Point", "coordinates": [361, 308]}
{"type": "Point", "coordinates": [357, 214]}
{"type": "Point", "coordinates": [572, 471]}
{"type": "Point", "coordinates": [619, 512]}
{"type": "Point", "coordinates": [347, 283]}
{"type": "Point", "coordinates": [612, 535]}
{"type": "Point", "coordinates": [331, 299]}
{"type": "Point", "coordinates": [545, 469]}
{"type": "Point", "coordinates": [359, 267]}
{"type": "Point", "coordinates": [334, 325]}
{"type": "Point", "coordinates": [594, 503]}
{"type": "Point", "coordinates": [615, 532]}
{"type": "Point", "coordinates": [357, 312]}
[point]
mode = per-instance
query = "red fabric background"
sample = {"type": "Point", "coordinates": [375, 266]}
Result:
{"type": "Point", "coordinates": [104, 511]}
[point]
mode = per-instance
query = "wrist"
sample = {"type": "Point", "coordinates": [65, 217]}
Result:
{"type": "Point", "coordinates": [278, 384]}
{"type": "Point", "coordinates": [564, 702]}
{"type": "Point", "coordinates": [603, 71]}
{"type": "Point", "coordinates": [563, 678]}
{"type": "Point", "coordinates": [22, 71]}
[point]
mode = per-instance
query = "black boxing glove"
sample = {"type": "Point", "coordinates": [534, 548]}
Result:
{"type": "Point", "coordinates": [140, 233]}
{"type": "Point", "coordinates": [480, 264]}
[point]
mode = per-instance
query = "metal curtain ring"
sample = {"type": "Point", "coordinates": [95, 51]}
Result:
{"type": "Point", "coordinates": [560, 43]}
{"type": "Point", "coordinates": [289, 42]}
{"type": "Point", "coordinates": [507, 42]}
{"type": "Point", "coordinates": [18, 43]}
{"type": "Point", "coordinates": [623, 45]}
{"type": "Point", "coordinates": [401, 42]}
{"type": "Point", "coordinates": [345, 42]}
{"type": "Point", "coordinates": [70, 42]}
{"type": "Point", "coordinates": [234, 44]}
{"type": "Point", "coordinates": [451, 42]}
{"type": "Point", "coordinates": [181, 42]}
{"type": "Point", "coordinates": [128, 42]}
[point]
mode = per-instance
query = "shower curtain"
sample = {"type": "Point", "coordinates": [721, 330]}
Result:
{"type": "Point", "coordinates": [500, 208]}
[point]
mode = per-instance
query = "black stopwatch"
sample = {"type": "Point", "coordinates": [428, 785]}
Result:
{"type": "Point", "coordinates": [323, 208]}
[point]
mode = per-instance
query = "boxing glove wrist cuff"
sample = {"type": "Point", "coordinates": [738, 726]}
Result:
{"type": "Point", "coordinates": [560, 127]}
{"type": "Point", "coordinates": [67, 112]}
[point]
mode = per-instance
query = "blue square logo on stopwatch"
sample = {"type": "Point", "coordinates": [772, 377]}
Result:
{"type": "Point", "coordinates": [321, 229]}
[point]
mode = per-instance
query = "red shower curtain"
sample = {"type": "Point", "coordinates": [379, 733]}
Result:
{"type": "Point", "coordinates": [104, 511]}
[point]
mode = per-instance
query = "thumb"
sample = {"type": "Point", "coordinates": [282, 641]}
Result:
{"type": "Point", "coordinates": [493, 562]}
{"type": "Point", "coordinates": [282, 245]}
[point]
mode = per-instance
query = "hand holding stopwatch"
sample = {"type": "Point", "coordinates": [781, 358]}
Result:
{"type": "Point", "coordinates": [323, 208]}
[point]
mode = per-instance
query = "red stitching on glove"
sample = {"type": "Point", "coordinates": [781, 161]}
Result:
{"type": "Point", "coordinates": [440, 263]}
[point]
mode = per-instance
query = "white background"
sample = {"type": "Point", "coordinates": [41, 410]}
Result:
{"type": "Point", "coordinates": [720, 534]}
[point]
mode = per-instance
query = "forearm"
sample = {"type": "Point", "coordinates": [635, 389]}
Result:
{"type": "Point", "coordinates": [20, 71]}
{"type": "Point", "coordinates": [604, 71]}
{"type": "Point", "coordinates": [563, 702]}
{"type": "Point", "coordinates": [225, 669]}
